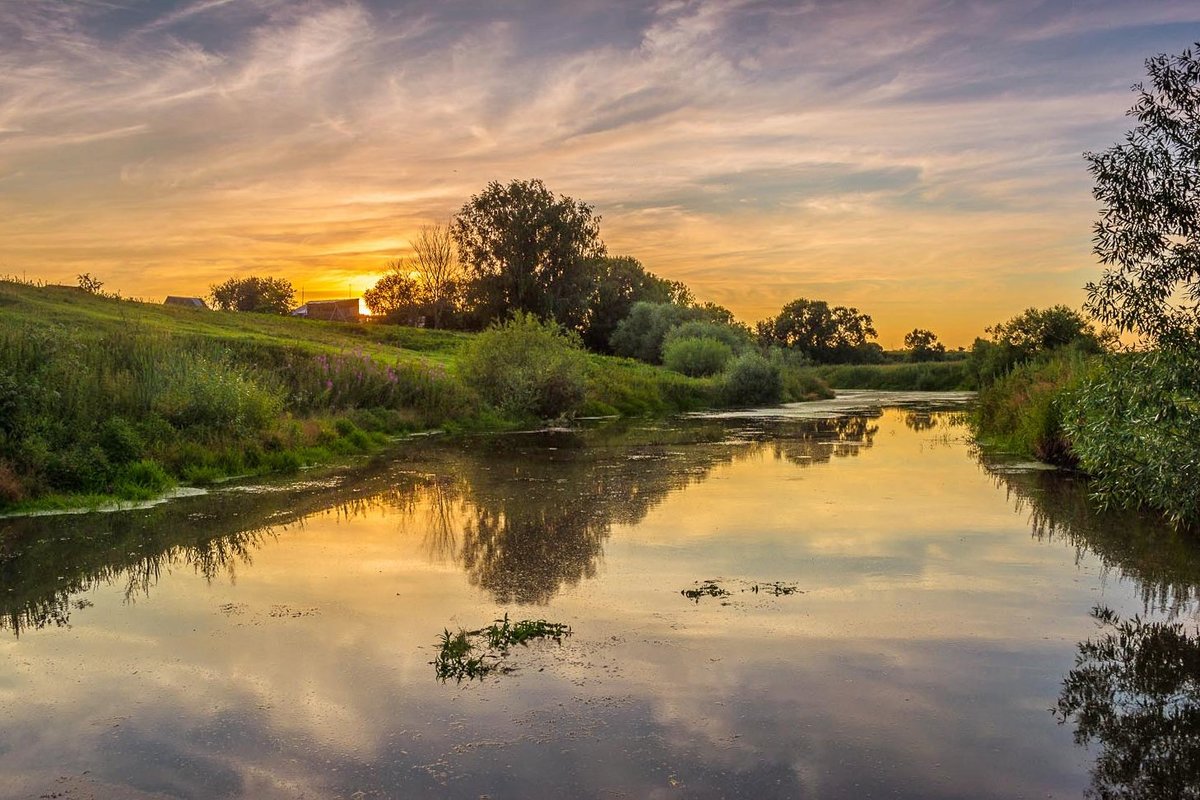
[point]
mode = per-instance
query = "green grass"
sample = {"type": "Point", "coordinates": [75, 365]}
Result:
{"type": "Point", "coordinates": [932, 376]}
{"type": "Point", "coordinates": [104, 399]}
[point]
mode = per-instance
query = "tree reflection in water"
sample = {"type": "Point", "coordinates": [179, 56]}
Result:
{"type": "Point", "coordinates": [1135, 691]}
{"type": "Point", "coordinates": [1163, 563]}
{"type": "Point", "coordinates": [523, 514]}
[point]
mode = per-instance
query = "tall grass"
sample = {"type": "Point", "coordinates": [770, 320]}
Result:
{"type": "Point", "coordinates": [1023, 411]}
{"type": "Point", "coordinates": [933, 376]}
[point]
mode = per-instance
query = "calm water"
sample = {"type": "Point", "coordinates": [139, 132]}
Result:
{"type": "Point", "coordinates": [275, 641]}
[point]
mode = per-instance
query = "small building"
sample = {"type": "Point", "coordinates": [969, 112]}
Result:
{"type": "Point", "coordinates": [186, 302]}
{"type": "Point", "coordinates": [331, 310]}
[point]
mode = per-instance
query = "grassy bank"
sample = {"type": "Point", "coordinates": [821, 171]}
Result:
{"type": "Point", "coordinates": [103, 398]}
{"type": "Point", "coordinates": [1131, 422]}
{"type": "Point", "coordinates": [932, 376]}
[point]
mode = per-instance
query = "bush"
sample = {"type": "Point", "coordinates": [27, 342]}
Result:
{"type": "Point", "coordinates": [1023, 411]}
{"type": "Point", "coordinates": [752, 381]}
{"type": "Point", "coordinates": [1134, 425]}
{"type": "Point", "coordinates": [527, 368]}
{"type": "Point", "coordinates": [738, 339]}
{"type": "Point", "coordinates": [202, 392]}
{"type": "Point", "coordinates": [142, 479]}
{"type": "Point", "coordinates": [641, 334]}
{"type": "Point", "coordinates": [119, 441]}
{"type": "Point", "coordinates": [697, 357]}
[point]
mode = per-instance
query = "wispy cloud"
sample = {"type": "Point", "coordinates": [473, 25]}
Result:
{"type": "Point", "coordinates": [916, 156]}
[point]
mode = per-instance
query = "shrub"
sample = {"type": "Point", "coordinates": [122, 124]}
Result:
{"type": "Point", "coordinates": [737, 339]}
{"type": "Point", "coordinates": [119, 441]}
{"type": "Point", "coordinates": [201, 392]}
{"type": "Point", "coordinates": [1023, 411]}
{"type": "Point", "coordinates": [1134, 425]}
{"type": "Point", "coordinates": [527, 368]}
{"type": "Point", "coordinates": [752, 381]}
{"type": "Point", "coordinates": [142, 479]}
{"type": "Point", "coordinates": [11, 488]}
{"type": "Point", "coordinates": [697, 357]}
{"type": "Point", "coordinates": [640, 335]}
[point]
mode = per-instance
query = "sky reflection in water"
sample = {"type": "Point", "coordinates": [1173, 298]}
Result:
{"type": "Point", "coordinates": [275, 642]}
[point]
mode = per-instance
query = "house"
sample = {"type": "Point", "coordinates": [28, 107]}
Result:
{"type": "Point", "coordinates": [186, 302]}
{"type": "Point", "coordinates": [331, 310]}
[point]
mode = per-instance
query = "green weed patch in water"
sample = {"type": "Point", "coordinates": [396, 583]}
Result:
{"type": "Point", "coordinates": [473, 654]}
{"type": "Point", "coordinates": [712, 588]}
{"type": "Point", "coordinates": [705, 589]}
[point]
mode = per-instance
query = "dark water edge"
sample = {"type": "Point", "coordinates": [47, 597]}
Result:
{"type": "Point", "coordinates": [275, 640]}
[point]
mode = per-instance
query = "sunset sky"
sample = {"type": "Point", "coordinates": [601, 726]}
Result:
{"type": "Point", "coordinates": [920, 160]}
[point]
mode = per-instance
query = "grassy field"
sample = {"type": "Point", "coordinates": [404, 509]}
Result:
{"type": "Point", "coordinates": [104, 398]}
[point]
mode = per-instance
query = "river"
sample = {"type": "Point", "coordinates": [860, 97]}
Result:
{"type": "Point", "coordinates": [886, 612]}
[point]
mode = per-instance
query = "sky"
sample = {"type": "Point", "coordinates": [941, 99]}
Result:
{"type": "Point", "coordinates": [920, 160]}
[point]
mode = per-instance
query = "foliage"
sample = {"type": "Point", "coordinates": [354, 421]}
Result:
{"type": "Point", "coordinates": [527, 368]}
{"type": "Point", "coordinates": [350, 380]}
{"type": "Point", "coordinates": [526, 250]}
{"type": "Point", "coordinates": [260, 295]}
{"type": "Point", "coordinates": [473, 654]}
{"type": "Point", "coordinates": [1135, 691]}
{"type": "Point", "coordinates": [752, 380]}
{"type": "Point", "coordinates": [396, 297]}
{"type": "Point", "coordinates": [90, 283]}
{"type": "Point", "coordinates": [642, 334]}
{"type": "Point", "coordinates": [620, 282]}
{"type": "Point", "coordinates": [922, 345]}
{"type": "Point", "coordinates": [826, 335]}
{"type": "Point", "coordinates": [1024, 410]}
{"type": "Point", "coordinates": [1033, 334]}
{"type": "Point", "coordinates": [1134, 425]}
{"type": "Point", "coordinates": [736, 337]}
{"type": "Point", "coordinates": [697, 356]}
{"type": "Point", "coordinates": [1148, 233]}
{"type": "Point", "coordinates": [938, 376]}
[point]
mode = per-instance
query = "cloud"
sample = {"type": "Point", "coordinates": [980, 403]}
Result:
{"type": "Point", "coordinates": [163, 145]}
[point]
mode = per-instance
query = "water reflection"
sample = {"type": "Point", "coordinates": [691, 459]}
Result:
{"type": "Point", "coordinates": [1135, 691]}
{"type": "Point", "coordinates": [1161, 562]}
{"type": "Point", "coordinates": [523, 515]}
{"type": "Point", "coordinates": [929, 639]}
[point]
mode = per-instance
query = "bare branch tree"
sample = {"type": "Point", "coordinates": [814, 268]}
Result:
{"type": "Point", "coordinates": [435, 259]}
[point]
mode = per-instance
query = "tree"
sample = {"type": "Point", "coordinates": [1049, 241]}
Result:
{"type": "Point", "coordinates": [826, 335]}
{"type": "Point", "coordinates": [1036, 331]}
{"type": "Point", "coordinates": [396, 297]}
{"type": "Point", "coordinates": [260, 295]}
{"type": "Point", "coordinates": [923, 345]}
{"type": "Point", "coordinates": [619, 283]}
{"type": "Point", "coordinates": [435, 261]}
{"type": "Point", "coordinates": [525, 249]}
{"type": "Point", "coordinates": [1148, 234]}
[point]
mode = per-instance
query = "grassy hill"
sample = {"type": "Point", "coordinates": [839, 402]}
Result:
{"type": "Point", "coordinates": [103, 398]}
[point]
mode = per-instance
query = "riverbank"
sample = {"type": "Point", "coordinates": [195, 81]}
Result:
{"type": "Point", "coordinates": [104, 399]}
{"type": "Point", "coordinates": [1130, 422]}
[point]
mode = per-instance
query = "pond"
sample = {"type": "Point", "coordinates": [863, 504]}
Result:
{"type": "Point", "coordinates": [842, 599]}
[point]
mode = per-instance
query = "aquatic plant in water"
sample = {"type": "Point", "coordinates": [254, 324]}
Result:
{"type": "Point", "coordinates": [712, 588]}
{"type": "Point", "coordinates": [473, 654]}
